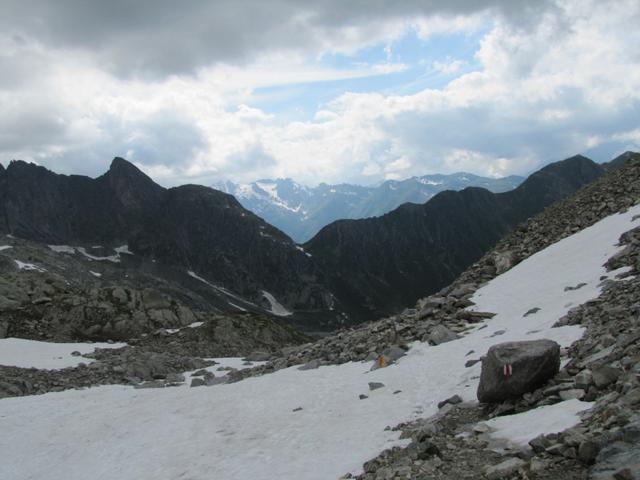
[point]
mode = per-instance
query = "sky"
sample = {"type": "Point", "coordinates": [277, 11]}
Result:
{"type": "Point", "coordinates": [333, 91]}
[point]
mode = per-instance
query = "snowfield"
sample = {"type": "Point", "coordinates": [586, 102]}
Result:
{"type": "Point", "coordinates": [249, 429]}
{"type": "Point", "coordinates": [17, 352]}
{"type": "Point", "coordinates": [520, 428]}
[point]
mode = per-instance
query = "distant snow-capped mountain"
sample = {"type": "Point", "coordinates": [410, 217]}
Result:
{"type": "Point", "coordinates": [302, 211]}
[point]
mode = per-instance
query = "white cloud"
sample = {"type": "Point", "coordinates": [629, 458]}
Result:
{"type": "Point", "coordinates": [450, 66]}
{"type": "Point", "coordinates": [541, 91]}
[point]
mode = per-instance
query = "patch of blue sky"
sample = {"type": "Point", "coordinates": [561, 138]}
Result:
{"type": "Point", "coordinates": [418, 55]}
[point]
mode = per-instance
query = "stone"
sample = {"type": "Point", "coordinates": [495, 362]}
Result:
{"type": "Point", "coordinates": [604, 376]}
{"type": "Point", "coordinates": [120, 295]}
{"type": "Point", "coordinates": [588, 451]}
{"type": "Point", "coordinates": [197, 382]}
{"type": "Point", "coordinates": [623, 474]}
{"type": "Point", "coordinates": [539, 444]}
{"type": "Point", "coordinates": [481, 428]}
{"type": "Point", "coordinates": [362, 396]}
{"type": "Point", "coordinates": [4, 328]}
{"type": "Point", "coordinates": [632, 397]}
{"type": "Point", "coordinates": [512, 369]}
{"type": "Point", "coordinates": [583, 379]}
{"type": "Point", "coordinates": [394, 353]}
{"type": "Point", "coordinates": [155, 300]}
{"type": "Point", "coordinates": [556, 449]}
{"type": "Point", "coordinates": [538, 465]}
{"type": "Point", "coordinates": [574, 393]}
{"type": "Point", "coordinates": [311, 365]}
{"type": "Point", "coordinates": [441, 334]}
{"type": "Point", "coordinates": [258, 356]}
{"type": "Point", "coordinates": [471, 363]}
{"type": "Point", "coordinates": [453, 400]}
{"type": "Point", "coordinates": [504, 469]}
{"type": "Point", "coordinates": [375, 385]}
{"type": "Point", "coordinates": [503, 261]}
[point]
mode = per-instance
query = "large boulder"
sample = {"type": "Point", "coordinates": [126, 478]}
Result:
{"type": "Point", "coordinates": [512, 369]}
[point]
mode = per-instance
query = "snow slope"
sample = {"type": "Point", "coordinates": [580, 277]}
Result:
{"type": "Point", "coordinates": [249, 429]}
{"type": "Point", "coordinates": [17, 352]}
{"type": "Point", "coordinates": [522, 427]}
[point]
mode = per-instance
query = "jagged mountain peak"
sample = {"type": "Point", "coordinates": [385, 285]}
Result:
{"type": "Point", "coordinates": [130, 185]}
{"type": "Point", "coordinates": [123, 169]}
{"type": "Point", "coordinates": [620, 160]}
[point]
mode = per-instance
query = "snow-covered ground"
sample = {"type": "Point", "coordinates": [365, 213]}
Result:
{"type": "Point", "coordinates": [520, 428]}
{"type": "Point", "coordinates": [249, 429]}
{"type": "Point", "coordinates": [17, 352]}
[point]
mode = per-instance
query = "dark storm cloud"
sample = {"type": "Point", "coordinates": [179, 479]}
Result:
{"type": "Point", "coordinates": [159, 37]}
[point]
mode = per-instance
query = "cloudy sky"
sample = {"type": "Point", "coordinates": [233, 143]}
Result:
{"type": "Point", "coordinates": [332, 90]}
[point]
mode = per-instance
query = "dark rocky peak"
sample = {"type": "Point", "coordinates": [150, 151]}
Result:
{"type": "Point", "coordinates": [620, 160]}
{"type": "Point", "coordinates": [130, 186]}
{"type": "Point", "coordinates": [20, 168]}
{"type": "Point", "coordinates": [1, 169]}
{"type": "Point", "coordinates": [121, 167]}
{"type": "Point", "coordinates": [575, 169]}
{"type": "Point", "coordinates": [549, 184]}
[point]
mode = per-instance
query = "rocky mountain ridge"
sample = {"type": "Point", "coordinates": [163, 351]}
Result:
{"type": "Point", "coordinates": [189, 228]}
{"type": "Point", "coordinates": [301, 211]}
{"type": "Point", "coordinates": [377, 266]}
{"type": "Point", "coordinates": [204, 248]}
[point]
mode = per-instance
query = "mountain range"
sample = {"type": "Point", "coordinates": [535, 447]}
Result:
{"type": "Point", "coordinates": [380, 265]}
{"type": "Point", "coordinates": [189, 234]}
{"type": "Point", "coordinates": [201, 246]}
{"type": "Point", "coordinates": [301, 211]}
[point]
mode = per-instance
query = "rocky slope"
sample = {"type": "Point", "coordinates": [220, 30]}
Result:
{"type": "Point", "coordinates": [181, 229]}
{"type": "Point", "coordinates": [602, 367]}
{"type": "Point", "coordinates": [379, 265]}
{"type": "Point", "coordinates": [302, 211]}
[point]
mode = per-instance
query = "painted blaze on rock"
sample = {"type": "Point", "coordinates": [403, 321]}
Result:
{"type": "Point", "coordinates": [512, 369]}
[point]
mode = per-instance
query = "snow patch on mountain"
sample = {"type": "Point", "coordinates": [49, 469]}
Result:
{"type": "Point", "coordinates": [222, 290]}
{"type": "Point", "coordinates": [520, 428]}
{"type": "Point", "coordinates": [63, 249]}
{"type": "Point", "coordinates": [29, 267]}
{"type": "Point", "coordinates": [123, 249]}
{"type": "Point", "coordinates": [18, 352]}
{"type": "Point", "coordinates": [276, 307]}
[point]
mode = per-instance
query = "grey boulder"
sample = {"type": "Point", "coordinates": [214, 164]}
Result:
{"type": "Point", "coordinates": [441, 334]}
{"type": "Point", "coordinates": [512, 369]}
